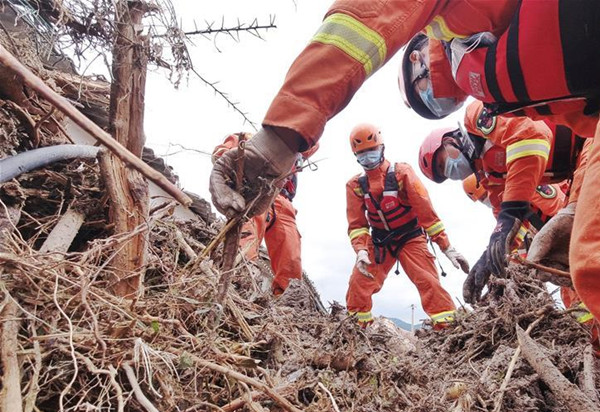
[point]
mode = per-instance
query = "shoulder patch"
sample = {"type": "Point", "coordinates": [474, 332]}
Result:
{"type": "Point", "coordinates": [358, 191]}
{"type": "Point", "coordinates": [486, 123]}
{"type": "Point", "coordinates": [546, 191]}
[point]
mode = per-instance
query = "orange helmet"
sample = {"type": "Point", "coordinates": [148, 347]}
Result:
{"type": "Point", "coordinates": [428, 151]}
{"type": "Point", "coordinates": [473, 189]}
{"type": "Point", "coordinates": [365, 136]}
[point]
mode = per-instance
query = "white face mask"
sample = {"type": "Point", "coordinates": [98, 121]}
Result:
{"type": "Point", "coordinates": [370, 159]}
{"type": "Point", "coordinates": [441, 107]}
{"type": "Point", "coordinates": [457, 169]}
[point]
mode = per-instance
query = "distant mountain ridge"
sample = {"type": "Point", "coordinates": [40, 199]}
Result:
{"type": "Point", "coordinates": [404, 325]}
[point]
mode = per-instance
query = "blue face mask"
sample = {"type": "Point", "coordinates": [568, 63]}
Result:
{"type": "Point", "coordinates": [440, 107]}
{"type": "Point", "coordinates": [369, 160]}
{"type": "Point", "coordinates": [457, 169]}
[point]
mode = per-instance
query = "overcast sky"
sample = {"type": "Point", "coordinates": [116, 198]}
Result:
{"type": "Point", "coordinates": [251, 72]}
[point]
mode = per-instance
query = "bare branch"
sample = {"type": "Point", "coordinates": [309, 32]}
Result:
{"type": "Point", "coordinates": [252, 28]}
{"type": "Point", "coordinates": [224, 95]}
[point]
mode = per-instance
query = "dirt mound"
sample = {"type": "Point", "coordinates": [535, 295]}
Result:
{"type": "Point", "coordinates": [80, 347]}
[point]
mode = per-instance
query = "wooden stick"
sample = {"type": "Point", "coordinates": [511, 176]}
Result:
{"type": "Point", "coordinates": [281, 401]}
{"type": "Point", "coordinates": [589, 372]}
{"type": "Point", "coordinates": [65, 230]}
{"type": "Point", "coordinates": [534, 265]}
{"type": "Point", "coordinates": [546, 273]}
{"type": "Point", "coordinates": [241, 401]}
{"type": "Point", "coordinates": [232, 238]}
{"type": "Point", "coordinates": [334, 404]}
{"type": "Point", "coordinates": [139, 395]}
{"type": "Point", "coordinates": [217, 239]}
{"type": "Point", "coordinates": [511, 366]}
{"type": "Point", "coordinates": [567, 393]}
{"type": "Point", "coordinates": [62, 104]}
{"type": "Point", "coordinates": [10, 396]}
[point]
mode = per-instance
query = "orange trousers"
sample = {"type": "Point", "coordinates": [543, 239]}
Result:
{"type": "Point", "coordinates": [419, 265]}
{"type": "Point", "coordinates": [278, 228]}
{"type": "Point", "coordinates": [584, 251]}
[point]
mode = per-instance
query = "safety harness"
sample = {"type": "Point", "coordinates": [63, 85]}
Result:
{"type": "Point", "coordinates": [392, 223]}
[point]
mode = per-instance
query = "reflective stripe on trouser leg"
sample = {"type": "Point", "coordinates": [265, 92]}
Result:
{"type": "Point", "coordinates": [362, 318]}
{"type": "Point", "coordinates": [583, 315]}
{"type": "Point", "coordinates": [359, 297]}
{"type": "Point", "coordinates": [443, 317]}
{"type": "Point", "coordinates": [419, 265]}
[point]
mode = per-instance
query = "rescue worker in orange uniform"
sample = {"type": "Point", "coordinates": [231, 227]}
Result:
{"type": "Point", "coordinates": [545, 203]}
{"type": "Point", "coordinates": [549, 199]}
{"type": "Point", "coordinates": [543, 58]}
{"type": "Point", "coordinates": [511, 156]}
{"type": "Point", "coordinates": [389, 216]}
{"type": "Point", "coordinates": [277, 226]}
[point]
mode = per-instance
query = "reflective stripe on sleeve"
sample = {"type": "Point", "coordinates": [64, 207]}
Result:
{"type": "Point", "coordinates": [521, 233]}
{"type": "Point", "coordinates": [434, 229]}
{"type": "Point", "coordinates": [357, 232]}
{"type": "Point", "coordinates": [530, 147]}
{"type": "Point", "coordinates": [355, 39]}
{"type": "Point", "coordinates": [438, 29]}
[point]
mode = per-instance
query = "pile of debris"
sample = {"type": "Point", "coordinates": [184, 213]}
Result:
{"type": "Point", "coordinates": [69, 343]}
{"type": "Point", "coordinates": [72, 345]}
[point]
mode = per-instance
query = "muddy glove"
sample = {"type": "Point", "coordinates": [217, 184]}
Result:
{"type": "Point", "coordinates": [477, 279]}
{"type": "Point", "coordinates": [509, 220]}
{"type": "Point", "coordinates": [362, 261]}
{"type": "Point", "coordinates": [551, 244]}
{"type": "Point", "coordinates": [266, 158]}
{"type": "Point", "coordinates": [457, 259]}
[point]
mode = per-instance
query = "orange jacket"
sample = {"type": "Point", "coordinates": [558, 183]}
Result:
{"type": "Point", "coordinates": [325, 76]}
{"type": "Point", "coordinates": [411, 192]}
{"type": "Point", "coordinates": [520, 149]}
{"type": "Point", "coordinates": [582, 162]}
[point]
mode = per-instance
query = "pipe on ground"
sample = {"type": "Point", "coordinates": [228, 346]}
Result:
{"type": "Point", "coordinates": [24, 162]}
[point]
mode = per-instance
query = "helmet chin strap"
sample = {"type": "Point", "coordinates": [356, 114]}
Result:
{"type": "Point", "coordinates": [467, 146]}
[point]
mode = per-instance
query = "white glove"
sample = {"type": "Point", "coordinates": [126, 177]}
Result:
{"type": "Point", "coordinates": [457, 259]}
{"type": "Point", "coordinates": [362, 261]}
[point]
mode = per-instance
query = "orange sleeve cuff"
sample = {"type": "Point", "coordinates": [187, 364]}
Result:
{"type": "Point", "coordinates": [442, 240]}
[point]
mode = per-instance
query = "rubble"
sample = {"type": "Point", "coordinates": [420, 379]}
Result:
{"type": "Point", "coordinates": [68, 343]}
{"type": "Point", "coordinates": [79, 346]}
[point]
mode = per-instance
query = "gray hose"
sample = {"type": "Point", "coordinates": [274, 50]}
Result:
{"type": "Point", "coordinates": [23, 162]}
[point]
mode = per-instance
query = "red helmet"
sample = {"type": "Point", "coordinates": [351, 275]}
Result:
{"type": "Point", "coordinates": [432, 108]}
{"type": "Point", "coordinates": [428, 151]}
{"type": "Point", "coordinates": [365, 136]}
{"type": "Point", "coordinates": [407, 91]}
